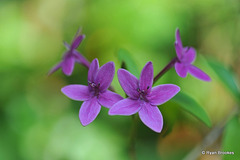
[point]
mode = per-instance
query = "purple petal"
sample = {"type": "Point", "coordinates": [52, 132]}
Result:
{"type": "Point", "coordinates": [77, 39]}
{"type": "Point", "coordinates": [68, 65]}
{"type": "Point", "coordinates": [78, 33]}
{"type": "Point", "coordinates": [89, 111]}
{"type": "Point", "coordinates": [179, 50]}
{"type": "Point", "coordinates": [198, 73]}
{"type": "Point", "coordinates": [181, 69]}
{"type": "Point", "coordinates": [129, 83]}
{"type": "Point", "coordinates": [178, 38]}
{"type": "Point", "coordinates": [92, 72]}
{"type": "Point", "coordinates": [105, 76]}
{"type": "Point", "coordinates": [76, 92]}
{"type": "Point", "coordinates": [162, 93]}
{"type": "Point", "coordinates": [81, 59]}
{"type": "Point", "coordinates": [151, 117]}
{"type": "Point", "coordinates": [146, 77]}
{"type": "Point", "coordinates": [66, 45]}
{"type": "Point", "coordinates": [108, 99]}
{"type": "Point", "coordinates": [125, 107]}
{"type": "Point", "coordinates": [55, 68]}
{"type": "Point", "coordinates": [189, 55]}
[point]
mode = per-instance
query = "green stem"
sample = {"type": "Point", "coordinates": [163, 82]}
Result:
{"type": "Point", "coordinates": [132, 149]}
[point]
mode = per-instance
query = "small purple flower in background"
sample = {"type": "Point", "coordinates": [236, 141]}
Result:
{"type": "Point", "coordinates": [95, 94]}
{"type": "Point", "coordinates": [143, 98]}
{"type": "Point", "coordinates": [186, 56]}
{"type": "Point", "coordinates": [71, 56]}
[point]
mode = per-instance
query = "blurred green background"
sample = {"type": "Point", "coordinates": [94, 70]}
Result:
{"type": "Point", "coordinates": [38, 122]}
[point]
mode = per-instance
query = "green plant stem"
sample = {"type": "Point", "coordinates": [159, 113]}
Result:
{"type": "Point", "coordinates": [133, 132]}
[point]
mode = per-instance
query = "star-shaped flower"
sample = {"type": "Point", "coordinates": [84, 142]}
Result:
{"type": "Point", "coordinates": [71, 56]}
{"type": "Point", "coordinates": [186, 56]}
{"type": "Point", "coordinates": [95, 94]}
{"type": "Point", "coordinates": [143, 98]}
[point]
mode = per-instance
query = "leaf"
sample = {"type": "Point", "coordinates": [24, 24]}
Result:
{"type": "Point", "coordinates": [190, 105]}
{"type": "Point", "coordinates": [226, 77]}
{"type": "Point", "coordinates": [231, 139]}
{"type": "Point", "coordinates": [125, 57]}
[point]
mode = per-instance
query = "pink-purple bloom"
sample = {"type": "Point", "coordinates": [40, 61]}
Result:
{"type": "Point", "coordinates": [71, 56]}
{"type": "Point", "coordinates": [95, 94]}
{"type": "Point", "coordinates": [142, 98]}
{"type": "Point", "coordinates": [186, 56]}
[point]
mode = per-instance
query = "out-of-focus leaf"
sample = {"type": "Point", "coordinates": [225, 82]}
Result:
{"type": "Point", "coordinates": [190, 105]}
{"type": "Point", "coordinates": [125, 57]}
{"type": "Point", "coordinates": [97, 138]}
{"type": "Point", "coordinates": [20, 114]}
{"type": "Point", "coordinates": [231, 139]}
{"type": "Point", "coordinates": [225, 76]}
{"type": "Point", "coordinates": [170, 113]}
{"type": "Point", "coordinates": [147, 150]}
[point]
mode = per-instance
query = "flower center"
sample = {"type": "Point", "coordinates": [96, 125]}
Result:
{"type": "Point", "coordinates": [143, 94]}
{"type": "Point", "coordinates": [94, 87]}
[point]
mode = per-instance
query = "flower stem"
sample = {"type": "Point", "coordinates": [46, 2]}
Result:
{"type": "Point", "coordinates": [133, 131]}
{"type": "Point", "coordinates": [165, 69]}
{"type": "Point", "coordinates": [132, 149]}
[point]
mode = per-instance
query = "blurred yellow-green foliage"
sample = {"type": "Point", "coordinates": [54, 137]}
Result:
{"type": "Point", "coordinates": [38, 122]}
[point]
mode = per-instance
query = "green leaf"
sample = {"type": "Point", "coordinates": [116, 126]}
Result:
{"type": "Point", "coordinates": [125, 57]}
{"type": "Point", "coordinates": [190, 105]}
{"type": "Point", "coordinates": [231, 139]}
{"type": "Point", "coordinates": [225, 76]}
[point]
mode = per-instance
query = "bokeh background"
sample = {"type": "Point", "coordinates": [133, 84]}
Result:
{"type": "Point", "coordinates": [38, 122]}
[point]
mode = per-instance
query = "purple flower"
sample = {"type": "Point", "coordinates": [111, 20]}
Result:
{"type": "Point", "coordinates": [186, 56]}
{"type": "Point", "coordinates": [71, 56]}
{"type": "Point", "coordinates": [143, 98]}
{"type": "Point", "coordinates": [95, 94]}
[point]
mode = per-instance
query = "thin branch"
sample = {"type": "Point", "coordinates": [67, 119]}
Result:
{"type": "Point", "coordinates": [165, 69]}
{"type": "Point", "coordinates": [132, 141]}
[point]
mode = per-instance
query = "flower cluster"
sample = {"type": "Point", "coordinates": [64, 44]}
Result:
{"type": "Point", "coordinates": [95, 94]}
{"type": "Point", "coordinates": [186, 56]}
{"type": "Point", "coordinates": [141, 98]}
{"type": "Point", "coordinates": [71, 56]}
